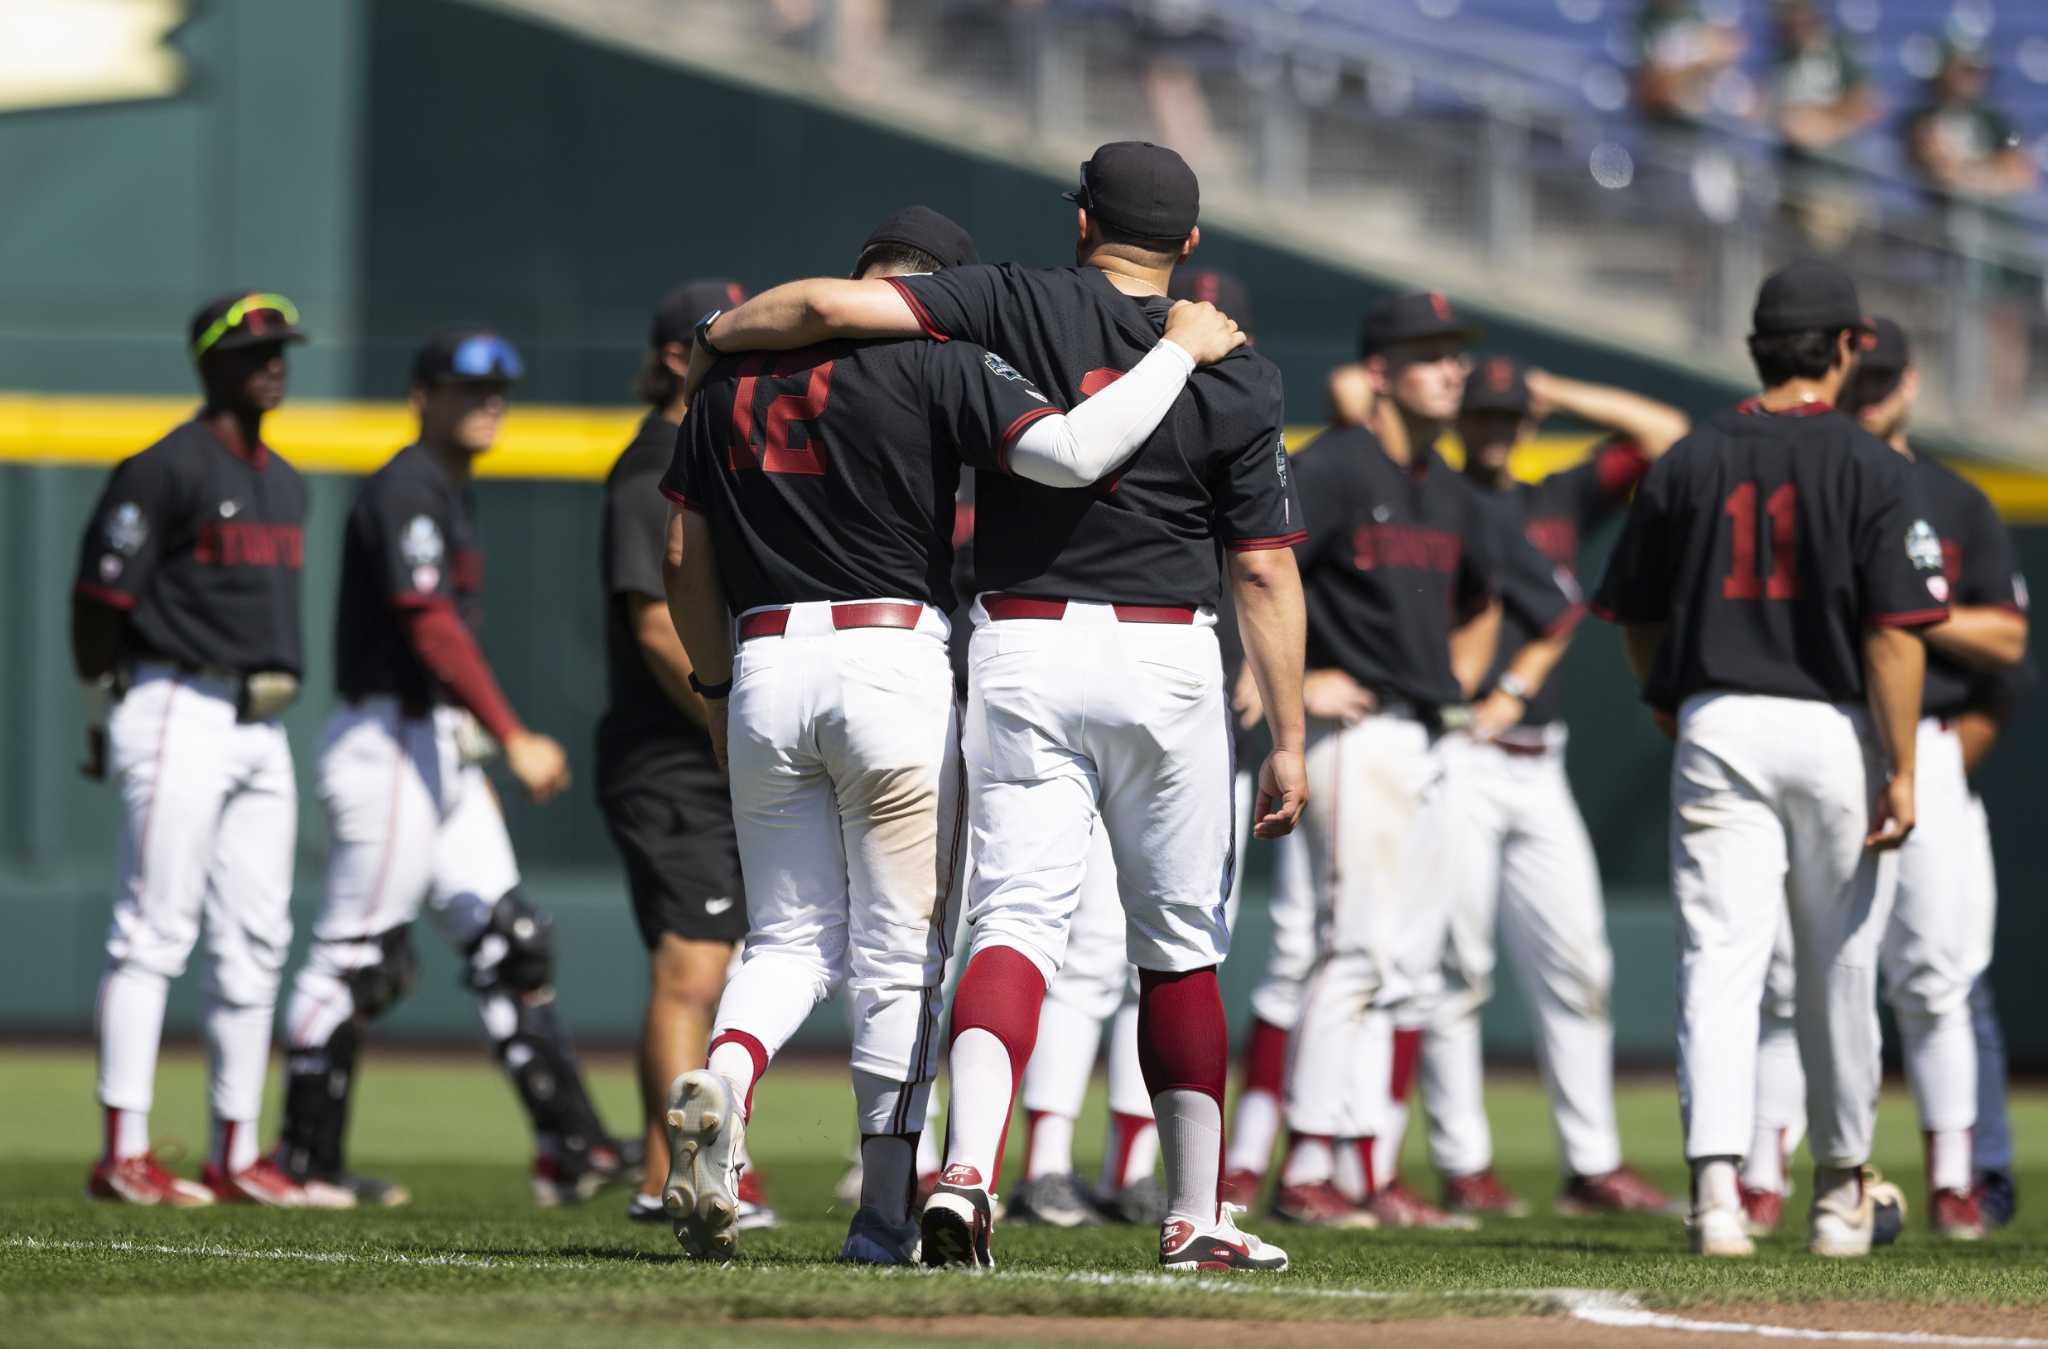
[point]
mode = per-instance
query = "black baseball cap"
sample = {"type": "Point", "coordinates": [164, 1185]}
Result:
{"type": "Point", "coordinates": [927, 231]}
{"type": "Point", "coordinates": [1808, 296]}
{"type": "Point", "coordinates": [1411, 318]}
{"type": "Point", "coordinates": [242, 318]}
{"type": "Point", "coordinates": [675, 320]}
{"type": "Point", "coordinates": [1221, 289]}
{"type": "Point", "coordinates": [1884, 347]}
{"type": "Point", "coordinates": [1140, 189]}
{"type": "Point", "coordinates": [466, 352]}
{"type": "Point", "coordinates": [1498, 384]}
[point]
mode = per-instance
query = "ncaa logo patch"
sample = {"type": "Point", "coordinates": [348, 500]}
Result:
{"type": "Point", "coordinates": [421, 545]}
{"type": "Point", "coordinates": [1923, 546]}
{"type": "Point", "coordinates": [127, 531]}
{"type": "Point", "coordinates": [999, 367]}
{"type": "Point", "coordinates": [1280, 458]}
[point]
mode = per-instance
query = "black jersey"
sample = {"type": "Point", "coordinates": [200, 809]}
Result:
{"type": "Point", "coordinates": [1978, 567]}
{"type": "Point", "coordinates": [1214, 472]}
{"type": "Point", "coordinates": [1397, 557]}
{"type": "Point", "coordinates": [410, 541]}
{"type": "Point", "coordinates": [201, 546]}
{"type": "Point", "coordinates": [830, 473]}
{"type": "Point", "coordinates": [639, 717]}
{"type": "Point", "coordinates": [1554, 514]}
{"type": "Point", "coordinates": [1767, 543]}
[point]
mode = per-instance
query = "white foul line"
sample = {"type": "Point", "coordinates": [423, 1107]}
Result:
{"type": "Point", "coordinates": [1613, 1310]}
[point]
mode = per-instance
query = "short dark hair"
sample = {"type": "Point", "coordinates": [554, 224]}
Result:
{"type": "Point", "coordinates": [897, 257]}
{"type": "Point", "coordinates": [656, 385]}
{"type": "Point", "coordinates": [1807, 354]}
{"type": "Point", "coordinates": [1166, 249]}
{"type": "Point", "coordinates": [1867, 388]}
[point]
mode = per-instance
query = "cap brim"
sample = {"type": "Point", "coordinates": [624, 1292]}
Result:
{"type": "Point", "coordinates": [236, 341]}
{"type": "Point", "coordinates": [1076, 196]}
{"type": "Point", "coordinates": [1469, 334]}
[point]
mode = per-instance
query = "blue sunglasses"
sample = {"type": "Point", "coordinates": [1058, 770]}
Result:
{"type": "Point", "coordinates": [486, 356]}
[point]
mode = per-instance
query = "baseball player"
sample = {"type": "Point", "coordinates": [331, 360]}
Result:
{"type": "Point", "coordinates": [1407, 577]}
{"type": "Point", "coordinates": [1773, 575]}
{"type": "Point", "coordinates": [818, 511]}
{"type": "Point", "coordinates": [1978, 727]}
{"type": "Point", "coordinates": [1938, 943]}
{"type": "Point", "coordinates": [412, 819]}
{"type": "Point", "coordinates": [663, 796]}
{"type": "Point", "coordinates": [1529, 860]}
{"type": "Point", "coordinates": [1096, 684]}
{"type": "Point", "coordinates": [185, 634]}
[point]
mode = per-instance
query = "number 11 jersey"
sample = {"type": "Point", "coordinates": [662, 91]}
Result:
{"type": "Point", "coordinates": [829, 473]}
{"type": "Point", "coordinates": [1767, 543]}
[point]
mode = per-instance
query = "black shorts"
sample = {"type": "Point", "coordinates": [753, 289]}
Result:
{"type": "Point", "coordinates": [673, 828]}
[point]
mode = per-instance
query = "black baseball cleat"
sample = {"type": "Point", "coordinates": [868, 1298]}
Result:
{"type": "Point", "coordinates": [1997, 1198]}
{"type": "Point", "coordinates": [958, 1221]}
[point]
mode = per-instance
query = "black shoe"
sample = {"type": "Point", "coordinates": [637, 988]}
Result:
{"type": "Point", "coordinates": [369, 1191]}
{"type": "Point", "coordinates": [1141, 1203]}
{"type": "Point", "coordinates": [1056, 1201]}
{"type": "Point", "coordinates": [1997, 1198]}
{"type": "Point", "coordinates": [572, 1177]}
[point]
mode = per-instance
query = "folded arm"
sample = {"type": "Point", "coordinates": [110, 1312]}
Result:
{"type": "Point", "coordinates": [1104, 431]}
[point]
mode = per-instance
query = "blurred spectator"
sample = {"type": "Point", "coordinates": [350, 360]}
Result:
{"type": "Point", "coordinates": [1171, 33]}
{"type": "Point", "coordinates": [1959, 142]}
{"type": "Point", "coordinates": [1680, 53]}
{"type": "Point", "coordinates": [847, 35]}
{"type": "Point", "coordinates": [1820, 93]}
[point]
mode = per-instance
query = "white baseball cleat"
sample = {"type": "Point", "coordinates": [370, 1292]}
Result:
{"type": "Point", "coordinates": [1720, 1231]}
{"type": "Point", "coordinates": [1219, 1246]}
{"type": "Point", "coordinates": [707, 1151]}
{"type": "Point", "coordinates": [1844, 1221]}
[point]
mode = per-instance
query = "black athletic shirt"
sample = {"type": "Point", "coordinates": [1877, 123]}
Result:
{"type": "Point", "coordinates": [201, 547]}
{"type": "Point", "coordinates": [830, 473]}
{"type": "Point", "coordinates": [1396, 558]}
{"type": "Point", "coordinates": [1214, 472]}
{"type": "Point", "coordinates": [1767, 543]}
{"type": "Point", "coordinates": [1555, 514]}
{"type": "Point", "coordinates": [1978, 567]}
{"type": "Point", "coordinates": [410, 541]}
{"type": "Point", "coordinates": [639, 718]}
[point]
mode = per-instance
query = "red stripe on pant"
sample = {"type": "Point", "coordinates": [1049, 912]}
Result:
{"type": "Point", "coordinates": [755, 1050]}
{"type": "Point", "coordinates": [1183, 1040]}
{"type": "Point", "coordinates": [1001, 993]}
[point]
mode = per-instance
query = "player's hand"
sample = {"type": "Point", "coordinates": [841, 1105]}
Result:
{"type": "Point", "coordinates": [701, 362]}
{"type": "Point", "coordinates": [718, 723]}
{"type": "Point", "coordinates": [1497, 712]}
{"type": "Point", "coordinates": [1892, 815]}
{"type": "Point", "coordinates": [1245, 700]}
{"type": "Point", "coordinates": [1332, 695]}
{"type": "Point", "coordinates": [94, 768]}
{"type": "Point", "coordinates": [1542, 398]}
{"type": "Point", "coordinates": [539, 763]}
{"type": "Point", "coordinates": [1283, 793]}
{"type": "Point", "coordinates": [1203, 331]}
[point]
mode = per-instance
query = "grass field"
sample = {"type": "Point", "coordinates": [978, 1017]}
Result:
{"type": "Point", "coordinates": [473, 1262]}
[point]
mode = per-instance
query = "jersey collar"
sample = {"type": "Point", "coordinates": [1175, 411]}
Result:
{"type": "Point", "coordinates": [1755, 407]}
{"type": "Point", "coordinates": [256, 456]}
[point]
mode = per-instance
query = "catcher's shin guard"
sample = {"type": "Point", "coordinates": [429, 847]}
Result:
{"type": "Point", "coordinates": [316, 1092]}
{"type": "Point", "coordinates": [511, 967]}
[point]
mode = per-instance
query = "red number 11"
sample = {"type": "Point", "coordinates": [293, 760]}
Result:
{"type": "Point", "coordinates": [1742, 581]}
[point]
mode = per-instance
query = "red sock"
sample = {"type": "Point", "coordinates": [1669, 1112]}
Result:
{"type": "Point", "coordinates": [1407, 1049]}
{"type": "Point", "coordinates": [756, 1051]}
{"type": "Point", "coordinates": [1372, 1180]}
{"type": "Point", "coordinates": [1265, 1059]}
{"type": "Point", "coordinates": [1184, 1044]}
{"type": "Point", "coordinates": [1124, 1132]}
{"type": "Point", "coordinates": [1001, 993]}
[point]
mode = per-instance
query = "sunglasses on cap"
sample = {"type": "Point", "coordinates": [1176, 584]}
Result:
{"type": "Point", "coordinates": [238, 313]}
{"type": "Point", "coordinates": [484, 356]}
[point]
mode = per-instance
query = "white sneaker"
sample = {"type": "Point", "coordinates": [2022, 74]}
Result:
{"type": "Point", "coordinates": [1845, 1217]}
{"type": "Point", "coordinates": [1187, 1245]}
{"type": "Point", "coordinates": [707, 1150]}
{"type": "Point", "coordinates": [1720, 1232]}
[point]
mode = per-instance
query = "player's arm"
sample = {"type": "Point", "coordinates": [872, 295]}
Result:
{"type": "Point", "coordinates": [1986, 628]}
{"type": "Point", "coordinates": [1272, 618]}
{"type": "Point", "coordinates": [1981, 636]}
{"type": "Point", "coordinates": [703, 620]}
{"type": "Point", "coordinates": [654, 632]}
{"type": "Point", "coordinates": [1654, 427]}
{"type": "Point", "coordinates": [637, 524]}
{"type": "Point", "coordinates": [1978, 729]}
{"type": "Point", "coordinates": [803, 313]}
{"type": "Point", "coordinates": [1474, 644]}
{"type": "Point", "coordinates": [116, 558]}
{"type": "Point", "coordinates": [1894, 670]}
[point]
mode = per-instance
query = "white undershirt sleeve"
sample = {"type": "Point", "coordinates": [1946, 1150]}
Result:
{"type": "Point", "coordinates": [1102, 432]}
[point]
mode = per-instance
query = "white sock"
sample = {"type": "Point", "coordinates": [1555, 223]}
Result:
{"type": "Point", "coordinates": [131, 1027]}
{"type": "Point", "coordinates": [979, 1107]}
{"type": "Point", "coordinates": [238, 1045]}
{"type": "Point", "coordinates": [885, 1175]}
{"type": "Point", "coordinates": [1139, 1150]}
{"type": "Point", "coordinates": [1191, 1136]}
{"type": "Point", "coordinates": [234, 1144]}
{"type": "Point", "coordinates": [1764, 1167]}
{"type": "Point", "coordinates": [732, 1062]}
{"type": "Point", "coordinates": [1829, 1181]}
{"type": "Point", "coordinates": [1128, 1094]}
{"type": "Point", "coordinates": [1050, 1149]}
{"type": "Point", "coordinates": [1714, 1184]}
{"type": "Point", "coordinates": [1948, 1160]}
{"type": "Point", "coordinates": [1386, 1145]}
{"type": "Point", "coordinates": [1310, 1161]}
{"type": "Point", "coordinates": [928, 1141]}
{"type": "Point", "coordinates": [1252, 1131]}
{"type": "Point", "coordinates": [1348, 1168]}
{"type": "Point", "coordinates": [127, 1133]}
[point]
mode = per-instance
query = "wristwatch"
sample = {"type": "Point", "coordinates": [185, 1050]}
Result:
{"type": "Point", "coordinates": [703, 334]}
{"type": "Point", "coordinates": [1513, 687]}
{"type": "Point", "coordinates": [704, 690]}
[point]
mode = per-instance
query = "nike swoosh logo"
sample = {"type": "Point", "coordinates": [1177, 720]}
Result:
{"type": "Point", "coordinates": [714, 907]}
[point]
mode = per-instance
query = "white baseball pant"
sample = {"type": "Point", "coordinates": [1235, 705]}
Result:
{"type": "Point", "coordinates": [209, 822]}
{"type": "Point", "coordinates": [412, 821]}
{"type": "Point", "coordinates": [846, 787]}
{"type": "Point", "coordinates": [1770, 803]}
{"type": "Point", "coordinates": [1523, 857]}
{"type": "Point", "coordinates": [1276, 1000]}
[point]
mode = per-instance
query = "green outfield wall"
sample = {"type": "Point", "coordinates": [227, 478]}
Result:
{"type": "Point", "coordinates": [395, 164]}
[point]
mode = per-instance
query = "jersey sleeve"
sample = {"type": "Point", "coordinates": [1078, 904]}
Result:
{"type": "Point", "coordinates": [637, 525]}
{"type": "Point", "coordinates": [1257, 506]}
{"type": "Point", "coordinates": [1317, 477]}
{"type": "Point", "coordinates": [1636, 588]}
{"type": "Point", "coordinates": [1542, 595]}
{"type": "Point", "coordinates": [960, 302]}
{"type": "Point", "coordinates": [980, 403]}
{"type": "Point", "coordinates": [684, 483]}
{"type": "Point", "coordinates": [1898, 554]}
{"type": "Point", "coordinates": [1991, 568]}
{"type": "Point", "coordinates": [125, 537]}
{"type": "Point", "coordinates": [412, 544]}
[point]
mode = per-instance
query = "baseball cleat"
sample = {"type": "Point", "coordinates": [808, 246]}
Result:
{"type": "Point", "coordinates": [1396, 1205]}
{"type": "Point", "coordinates": [873, 1240]}
{"type": "Point", "coordinates": [1218, 1246]}
{"type": "Point", "coordinates": [645, 1208]}
{"type": "Point", "coordinates": [1888, 1213]}
{"type": "Point", "coordinates": [260, 1182]}
{"type": "Point", "coordinates": [143, 1180]}
{"type": "Point", "coordinates": [1056, 1201]}
{"type": "Point", "coordinates": [1955, 1215]}
{"type": "Point", "coordinates": [958, 1221]}
{"type": "Point", "coordinates": [1997, 1198]}
{"type": "Point", "coordinates": [1844, 1222]}
{"type": "Point", "coordinates": [1241, 1187]}
{"type": "Point", "coordinates": [342, 1189]}
{"type": "Point", "coordinates": [1622, 1190]}
{"type": "Point", "coordinates": [755, 1214]}
{"type": "Point", "coordinates": [1719, 1232]}
{"type": "Point", "coordinates": [1141, 1203]}
{"type": "Point", "coordinates": [1319, 1204]}
{"type": "Point", "coordinates": [574, 1176]}
{"type": "Point", "coordinates": [1483, 1192]}
{"type": "Point", "coordinates": [1763, 1211]}
{"type": "Point", "coordinates": [707, 1152]}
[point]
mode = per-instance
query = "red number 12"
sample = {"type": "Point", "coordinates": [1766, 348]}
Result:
{"type": "Point", "coordinates": [1743, 581]}
{"type": "Point", "coordinates": [773, 453]}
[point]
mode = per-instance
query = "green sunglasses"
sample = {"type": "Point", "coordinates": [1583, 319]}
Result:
{"type": "Point", "coordinates": [240, 310]}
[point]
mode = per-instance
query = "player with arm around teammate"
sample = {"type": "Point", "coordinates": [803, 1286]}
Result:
{"type": "Point", "coordinates": [1772, 576]}
{"type": "Point", "coordinates": [412, 818]}
{"type": "Point", "coordinates": [1531, 863]}
{"type": "Point", "coordinates": [185, 633]}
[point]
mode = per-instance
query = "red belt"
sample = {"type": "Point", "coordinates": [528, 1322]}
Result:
{"type": "Point", "coordinates": [1017, 606]}
{"type": "Point", "coordinates": [878, 614]}
{"type": "Point", "coordinates": [1525, 750]}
